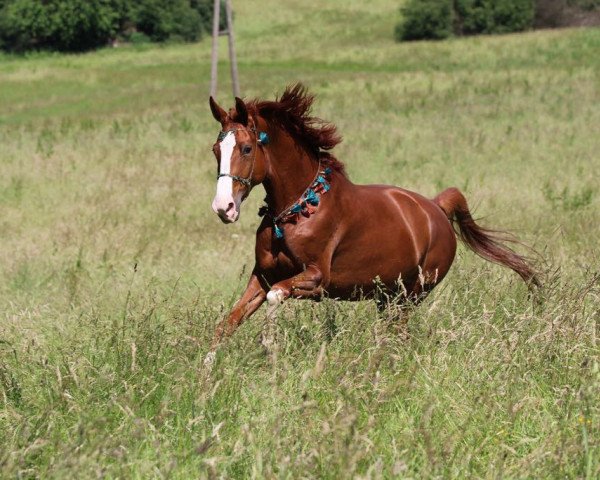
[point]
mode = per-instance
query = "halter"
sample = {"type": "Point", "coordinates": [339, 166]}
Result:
{"type": "Point", "coordinates": [261, 139]}
{"type": "Point", "coordinates": [305, 205]}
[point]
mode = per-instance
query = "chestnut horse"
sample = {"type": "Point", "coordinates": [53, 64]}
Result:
{"type": "Point", "coordinates": [321, 233]}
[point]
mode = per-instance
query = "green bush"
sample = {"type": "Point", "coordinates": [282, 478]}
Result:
{"type": "Point", "coordinates": [79, 25]}
{"type": "Point", "coordinates": [425, 19]}
{"type": "Point", "coordinates": [492, 16]}
{"type": "Point", "coordinates": [437, 19]}
{"type": "Point", "coordinates": [138, 38]}
{"type": "Point", "coordinates": [74, 25]}
{"type": "Point", "coordinates": [162, 19]}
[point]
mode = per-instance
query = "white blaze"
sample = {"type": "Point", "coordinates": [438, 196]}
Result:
{"type": "Point", "coordinates": [225, 184]}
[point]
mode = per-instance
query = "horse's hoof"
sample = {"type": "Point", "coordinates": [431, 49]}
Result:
{"type": "Point", "coordinates": [266, 341]}
{"type": "Point", "coordinates": [275, 298]}
{"type": "Point", "coordinates": [209, 360]}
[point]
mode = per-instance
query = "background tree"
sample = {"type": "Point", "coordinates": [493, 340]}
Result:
{"type": "Point", "coordinates": [439, 19]}
{"type": "Point", "coordinates": [80, 25]}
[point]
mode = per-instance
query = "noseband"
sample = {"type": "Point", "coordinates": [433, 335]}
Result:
{"type": "Point", "coordinates": [261, 139]}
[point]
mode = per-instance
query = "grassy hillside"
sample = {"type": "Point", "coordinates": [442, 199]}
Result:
{"type": "Point", "coordinates": [114, 270]}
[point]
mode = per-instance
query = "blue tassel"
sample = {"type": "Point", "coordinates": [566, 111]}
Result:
{"type": "Point", "coordinates": [263, 138]}
{"type": "Point", "coordinates": [296, 208]}
{"type": "Point", "coordinates": [327, 171]}
{"type": "Point", "coordinates": [326, 187]}
{"type": "Point", "coordinates": [320, 179]}
{"type": "Point", "coordinates": [312, 197]}
{"type": "Point", "coordinates": [278, 231]}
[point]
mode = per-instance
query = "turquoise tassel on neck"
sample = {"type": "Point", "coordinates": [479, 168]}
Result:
{"type": "Point", "coordinates": [312, 197]}
{"type": "Point", "coordinates": [278, 231]}
{"type": "Point", "coordinates": [307, 202]}
{"type": "Point", "coordinates": [296, 208]}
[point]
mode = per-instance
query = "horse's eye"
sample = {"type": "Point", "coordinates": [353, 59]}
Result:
{"type": "Point", "coordinates": [246, 149]}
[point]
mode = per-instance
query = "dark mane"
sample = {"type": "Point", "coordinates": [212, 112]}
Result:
{"type": "Point", "coordinates": [291, 113]}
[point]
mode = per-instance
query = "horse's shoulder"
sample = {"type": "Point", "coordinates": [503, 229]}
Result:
{"type": "Point", "coordinates": [263, 246]}
{"type": "Point", "coordinates": [269, 254]}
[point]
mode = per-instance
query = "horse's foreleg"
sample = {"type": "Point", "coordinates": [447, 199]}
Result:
{"type": "Point", "coordinates": [252, 298]}
{"type": "Point", "coordinates": [307, 284]}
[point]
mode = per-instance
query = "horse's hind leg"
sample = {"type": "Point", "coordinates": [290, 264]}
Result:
{"type": "Point", "coordinates": [396, 310]}
{"type": "Point", "coordinates": [398, 305]}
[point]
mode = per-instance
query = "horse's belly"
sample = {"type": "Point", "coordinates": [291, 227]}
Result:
{"type": "Point", "coordinates": [365, 271]}
{"type": "Point", "coordinates": [389, 249]}
{"type": "Point", "coordinates": [375, 258]}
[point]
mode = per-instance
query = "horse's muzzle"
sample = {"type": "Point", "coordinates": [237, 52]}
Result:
{"type": "Point", "coordinates": [227, 211]}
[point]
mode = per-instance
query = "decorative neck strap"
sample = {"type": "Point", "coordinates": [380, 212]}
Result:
{"type": "Point", "coordinates": [305, 205]}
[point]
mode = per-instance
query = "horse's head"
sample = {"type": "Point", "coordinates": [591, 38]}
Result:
{"type": "Point", "coordinates": [240, 157]}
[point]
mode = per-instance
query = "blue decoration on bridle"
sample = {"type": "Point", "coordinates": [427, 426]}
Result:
{"type": "Point", "coordinates": [263, 138]}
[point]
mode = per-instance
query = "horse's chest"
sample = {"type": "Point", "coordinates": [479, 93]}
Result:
{"type": "Point", "coordinates": [280, 259]}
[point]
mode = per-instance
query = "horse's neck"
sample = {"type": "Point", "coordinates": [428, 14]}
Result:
{"type": "Point", "coordinates": [290, 173]}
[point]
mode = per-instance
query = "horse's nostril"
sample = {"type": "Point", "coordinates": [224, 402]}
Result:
{"type": "Point", "coordinates": [229, 207]}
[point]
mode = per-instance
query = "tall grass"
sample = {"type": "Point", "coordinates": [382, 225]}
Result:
{"type": "Point", "coordinates": [114, 271]}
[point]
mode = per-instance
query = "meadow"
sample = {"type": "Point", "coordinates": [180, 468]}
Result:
{"type": "Point", "coordinates": [114, 270]}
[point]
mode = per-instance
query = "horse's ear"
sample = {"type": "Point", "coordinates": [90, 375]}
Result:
{"type": "Point", "coordinates": [242, 111]}
{"type": "Point", "coordinates": [219, 114]}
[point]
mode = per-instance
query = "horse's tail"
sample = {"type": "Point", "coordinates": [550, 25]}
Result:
{"type": "Point", "coordinates": [488, 244]}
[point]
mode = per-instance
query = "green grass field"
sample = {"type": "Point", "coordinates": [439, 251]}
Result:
{"type": "Point", "coordinates": [114, 269]}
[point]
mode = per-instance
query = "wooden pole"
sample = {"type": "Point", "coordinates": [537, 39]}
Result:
{"type": "Point", "coordinates": [232, 58]}
{"type": "Point", "coordinates": [215, 47]}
